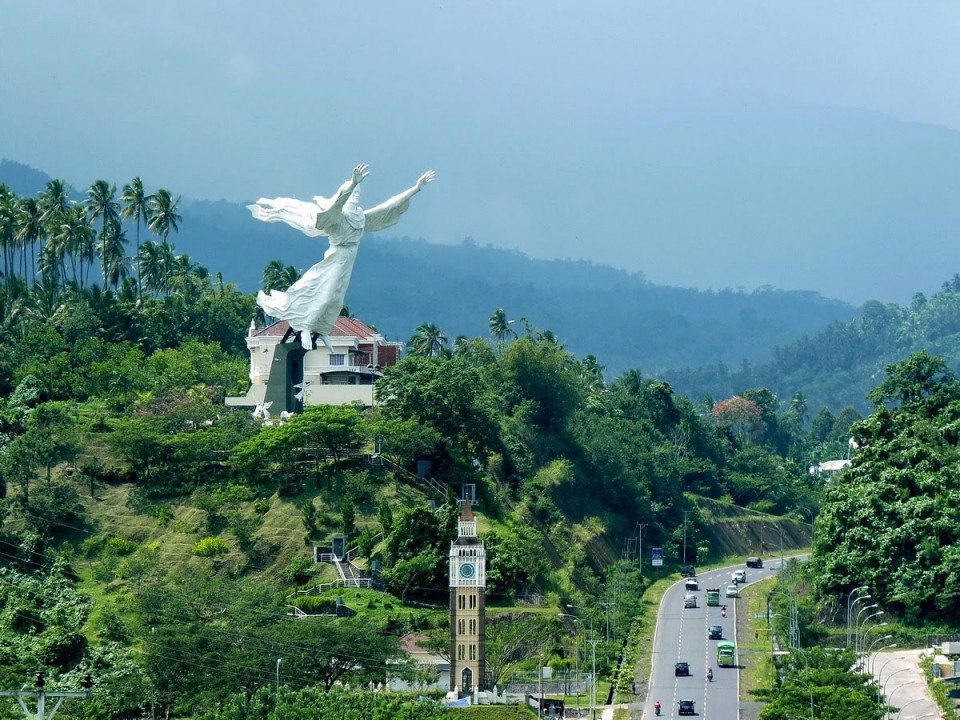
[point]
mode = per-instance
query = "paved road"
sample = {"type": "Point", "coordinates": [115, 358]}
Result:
{"type": "Point", "coordinates": [682, 636]}
{"type": "Point", "coordinates": [900, 675]}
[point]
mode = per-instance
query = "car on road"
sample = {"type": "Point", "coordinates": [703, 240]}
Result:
{"type": "Point", "coordinates": [754, 562]}
{"type": "Point", "coordinates": [688, 570]}
{"type": "Point", "coordinates": [715, 632]}
{"type": "Point", "coordinates": [685, 707]}
{"type": "Point", "coordinates": [681, 669]}
{"type": "Point", "coordinates": [733, 591]}
{"type": "Point", "coordinates": [692, 584]}
{"type": "Point", "coordinates": [739, 576]}
{"type": "Point", "coordinates": [689, 600]}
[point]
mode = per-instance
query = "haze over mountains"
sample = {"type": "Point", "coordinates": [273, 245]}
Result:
{"type": "Point", "coordinates": [851, 204]}
{"type": "Point", "coordinates": [625, 320]}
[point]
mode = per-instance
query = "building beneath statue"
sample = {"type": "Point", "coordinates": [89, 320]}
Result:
{"type": "Point", "coordinates": [287, 376]}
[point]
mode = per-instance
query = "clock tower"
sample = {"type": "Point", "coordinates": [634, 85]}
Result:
{"type": "Point", "coordinates": [468, 576]}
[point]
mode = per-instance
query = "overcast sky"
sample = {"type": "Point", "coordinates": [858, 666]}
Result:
{"type": "Point", "coordinates": [233, 100]}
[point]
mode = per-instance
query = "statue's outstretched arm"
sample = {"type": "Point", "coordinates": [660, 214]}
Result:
{"type": "Point", "coordinates": [388, 212]}
{"type": "Point", "coordinates": [343, 194]}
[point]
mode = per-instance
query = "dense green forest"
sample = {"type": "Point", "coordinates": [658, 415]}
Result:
{"type": "Point", "coordinates": [157, 539]}
{"type": "Point", "coordinates": [839, 365]}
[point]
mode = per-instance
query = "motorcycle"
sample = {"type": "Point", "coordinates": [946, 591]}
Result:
{"type": "Point", "coordinates": [710, 675]}
{"type": "Point", "coordinates": [656, 708]}
{"type": "Point", "coordinates": [723, 611]}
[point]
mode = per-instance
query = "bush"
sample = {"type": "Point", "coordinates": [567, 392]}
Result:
{"type": "Point", "coordinates": [120, 546]}
{"type": "Point", "coordinates": [210, 547]}
{"type": "Point", "coordinates": [299, 571]}
{"type": "Point", "coordinates": [315, 604]}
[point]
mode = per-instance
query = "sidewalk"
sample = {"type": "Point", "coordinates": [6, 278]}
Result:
{"type": "Point", "coordinates": [900, 676]}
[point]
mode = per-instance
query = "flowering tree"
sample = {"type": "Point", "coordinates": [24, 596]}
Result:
{"type": "Point", "coordinates": [742, 417]}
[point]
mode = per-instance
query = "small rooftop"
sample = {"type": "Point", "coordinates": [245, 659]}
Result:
{"type": "Point", "coordinates": [344, 327]}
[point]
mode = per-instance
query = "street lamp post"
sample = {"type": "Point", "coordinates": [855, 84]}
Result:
{"type": "Point", "coordinates": [873, 661]}
{"type": "Point", "coordinates": [810, 688]}
{"type": "Point", "coordinates": [883, 688]}
{"type": "Point", "coordinates": [915, 700]}
{"type": "Point", "coordinates": [909, 682]}
{"type": "Point", "coordinates": [856, 622]}
{"type": "Point", "coordinates": [864, 650]}
{"type": "Point", "coordinates": [862, 634]}
{"type": "Point", "coordinates": [593, 672]}
{"type": "Point", "coordinates": [576, 621]}
{"type": "Point", "coordinates": [865, 664]}
{"type": "Point", "coordinates": [279, 660]}
{"type": "Point", "coordinates": [850, 602]}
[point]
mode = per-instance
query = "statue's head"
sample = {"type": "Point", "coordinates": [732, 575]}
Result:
{"type": "Point", "coordinates": [352, 210]}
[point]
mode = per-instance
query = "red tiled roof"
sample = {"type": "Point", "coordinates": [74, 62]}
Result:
{"type": "Point", "coordinates": [352, 327]}
{"type": "Point", "coordinates": [346, 327]}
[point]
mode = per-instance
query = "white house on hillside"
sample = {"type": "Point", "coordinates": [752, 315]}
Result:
{"type": "Point", "coordinates": [289, 377]}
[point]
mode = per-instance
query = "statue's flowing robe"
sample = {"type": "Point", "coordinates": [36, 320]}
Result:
{"type": "Point", "coordinates": [313, 303]}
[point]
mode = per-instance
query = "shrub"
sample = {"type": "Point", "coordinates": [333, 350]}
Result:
{"type": "Point", "coordinates": [315, 604]}
{"type": "Point", "coordinates": [298, 571]}
{"type": "Point", "coordinates": [210, 547]}
{"type": "Point", "coordinates": [120, 546]}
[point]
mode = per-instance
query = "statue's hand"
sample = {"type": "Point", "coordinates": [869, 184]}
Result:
{"type": "Point", "coordinates": [360, 172]}
{"type": "Point", "coordinates": [427, 177]}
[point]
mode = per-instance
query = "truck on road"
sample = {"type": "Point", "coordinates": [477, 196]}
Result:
{"type": "Point", "coordinates": [726, 654]}
{"type": "Point", "coordinates": [713, 597]}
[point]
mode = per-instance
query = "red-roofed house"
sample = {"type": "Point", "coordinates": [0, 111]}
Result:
{"type": "Point", "coordinates": [289, 377]}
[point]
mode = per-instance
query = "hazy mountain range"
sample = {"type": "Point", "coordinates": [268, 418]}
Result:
{"type": "Point", "coordinates": [621, 317]}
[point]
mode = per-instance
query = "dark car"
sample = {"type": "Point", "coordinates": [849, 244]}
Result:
{"type": "Point", "coordinates": [754, 562]}
{"type": "Point", "coordinates": [681, 668]}
{"type": "Point", "coordinates": [688, 571]}
{"type": "Point", "coordinates": [685, 707]}
{"type": "Point", "coordinates": [715, 632]}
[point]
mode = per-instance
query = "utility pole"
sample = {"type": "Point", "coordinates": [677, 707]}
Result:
{"type": "Point", "coordinates": [593, 684]}
{"type": "Point", "coordinates": [640, 527]}
{"type": "Point", "coordinates": [685, 513]}
{"type": "Point", "coordinates": [41, 696]}
{"type": "Point", "coordinates": [543, 661]}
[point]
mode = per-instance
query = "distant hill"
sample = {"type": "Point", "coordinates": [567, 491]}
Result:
{"type": "Point", "coordinates": [399, 283]}
{"type": "Point", "coordinates": [838, 365]}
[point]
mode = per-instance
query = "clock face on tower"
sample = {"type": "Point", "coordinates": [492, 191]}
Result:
{"type": "Point", "coordinates": [467, 570]}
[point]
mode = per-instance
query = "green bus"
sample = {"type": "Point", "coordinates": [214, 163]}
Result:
{"type": "Point", "coordinates": [726, 654]}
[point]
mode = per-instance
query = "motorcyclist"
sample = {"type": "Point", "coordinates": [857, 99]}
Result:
{"type": "Point", "coordinates": [710, 674]}
{"type": "Point", "coordinates": [656, 707]}
{"type": "Point", "coordinates": [723, 611]}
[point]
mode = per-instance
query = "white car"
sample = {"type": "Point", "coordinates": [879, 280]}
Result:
{"type": "Point", "coordinates": [733, 591]}
{"type": "Point", "coordinates": [739, 576]}
{"type": "Point", "coordinates": [689, 600]}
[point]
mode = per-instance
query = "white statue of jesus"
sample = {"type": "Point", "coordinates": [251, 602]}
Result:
{"type": "Point", "coordinates": [312, 303]}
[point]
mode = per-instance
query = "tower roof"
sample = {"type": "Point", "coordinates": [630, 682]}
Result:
{"type": "Point", "coordinates": [467, 512]}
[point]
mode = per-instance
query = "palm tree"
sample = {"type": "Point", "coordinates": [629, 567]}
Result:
{"type": "Point", "coordinates": [54, 201]}
{"type": "Point", "coordinates": [164, 213]}
{"type": "Point", "coordinates": [102, 204]}
{"type": "Point", "coordinates": [30, 229]}
{"type": "Point", "coordinates": [75, 238]}
{"type": "Point", "coordinates": [46, 298]}
{"type": "Point", "coordinates": [112, 239]}
{"type": "Point", "coordinates": [798, 405]}
{"type": "Point", "coordinates": [428, 340]}
{"type": "Point", "coordinates": [136, 204]}
{"type": "Point", "coordinates": [8, 230]}
{"type": "Point", "coordinates": [500, 326]}
{"type": "Point", "coordinates": [156, 264]}
{"type": "Point", "coordinates": [277, 276]}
